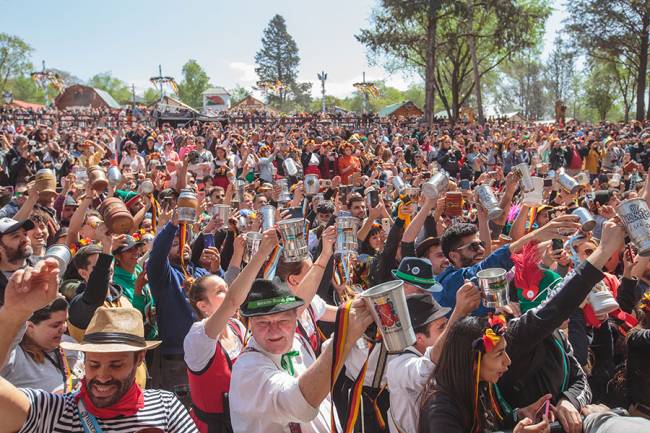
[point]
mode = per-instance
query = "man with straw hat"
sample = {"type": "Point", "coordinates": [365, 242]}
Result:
{"type": "Point", "coordinates": [277, 383]}
{"type": "Point", "coordinates": [109, 399]}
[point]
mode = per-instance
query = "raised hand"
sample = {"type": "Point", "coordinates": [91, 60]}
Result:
{"type": "Point", "coordinates": [31, 289]}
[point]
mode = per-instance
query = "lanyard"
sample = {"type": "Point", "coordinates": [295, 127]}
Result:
{"type": "Point", "coordinates": [88, 421]}
{"type": "Point", "coordinates": [62, 365]}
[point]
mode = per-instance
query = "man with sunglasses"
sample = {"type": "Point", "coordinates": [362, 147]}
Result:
{"type": "Point", "coordinates": [466, 253]}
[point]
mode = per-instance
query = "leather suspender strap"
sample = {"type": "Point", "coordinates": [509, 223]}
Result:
{"type": "Point", "coordinates": [381, 367]}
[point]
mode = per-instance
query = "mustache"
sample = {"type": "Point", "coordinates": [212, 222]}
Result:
{"type": "Point", "coordinates": [109, 383]}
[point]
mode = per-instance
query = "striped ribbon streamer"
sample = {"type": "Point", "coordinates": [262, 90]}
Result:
{"type": "Point", "coordinates": [339, 341]}
{"type": "Point", "coordinates": [154, 212]}
{"type": "Point", "coordinates": [181, 245]}
{"type": "Point", "coordinates": [271, 265]}
{"type": "Point", "coordinates": [531, 218]}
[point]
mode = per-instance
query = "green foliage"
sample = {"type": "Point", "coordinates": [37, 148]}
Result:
{"type": "Point", "coordinates": [117, 88]}
{"type": "Point", "coordinates": [14, 58]}
{"type": "Point", "coordinates": [25, 89]}
{"type": "Point", "coordinates": [195, 82]}
{"type": "Point", "coordinates": [238, 94]}
{"type": "Point", "coordinates": [151, 96]}
{"type": "Point", "coordinates": [599, 92]}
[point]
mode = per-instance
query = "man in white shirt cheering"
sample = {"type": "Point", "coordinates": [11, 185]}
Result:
{"type": "Point", "coordinates": [277, 383]}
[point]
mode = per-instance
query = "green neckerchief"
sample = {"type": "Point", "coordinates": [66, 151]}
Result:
{"type": "Point", "coordinates": [286, 362]}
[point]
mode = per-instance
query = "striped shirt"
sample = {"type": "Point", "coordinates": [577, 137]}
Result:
{"type": "Point", "coordinates": [56, 413]}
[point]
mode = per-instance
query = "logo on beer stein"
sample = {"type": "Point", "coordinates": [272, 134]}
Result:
{"type": "Point", "coordinates": [387, 314]}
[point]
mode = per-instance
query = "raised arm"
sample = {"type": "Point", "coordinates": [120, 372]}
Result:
{"type": "Point", "coordinates": [27, 207]}
{"type": "Point", "coordinates": [79, 215]}
{"type": "Point", "coordinates": [309, 285]}
{"type": "Point", "coordinates": [27, 291]}
{"type": "Point", "coordinates": [238, 290]}
{"type": "Point", "coordinates": [519, 225]}
{"type": "Point", "coordinates": [417, 223]}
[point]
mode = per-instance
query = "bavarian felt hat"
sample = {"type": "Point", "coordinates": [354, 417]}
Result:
{"type": "Point", "coordinates": [113, 330]}
{"type": "Point", "coordinates": [423, 309]}
{"type": "Point", "coordinates": [267, 297]}
{"type": "Point", "coordinates": [418, 272]}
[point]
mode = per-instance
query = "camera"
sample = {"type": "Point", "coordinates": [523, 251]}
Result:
{"type": "Point", "coordinates": [193, 157]}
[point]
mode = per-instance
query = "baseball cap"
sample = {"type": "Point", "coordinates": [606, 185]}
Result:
{"type": "Point", "coordinates": [10, 225]}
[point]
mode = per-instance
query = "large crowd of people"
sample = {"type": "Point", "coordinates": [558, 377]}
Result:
{"type": "Point", "coordinates": [212, 276]}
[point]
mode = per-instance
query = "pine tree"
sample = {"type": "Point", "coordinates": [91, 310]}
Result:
{"type": "Point", "coordinates": [278, 59]}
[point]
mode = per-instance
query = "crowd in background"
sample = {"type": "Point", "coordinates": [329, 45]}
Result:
{"type": "Point", "coordinates": [241, 336]}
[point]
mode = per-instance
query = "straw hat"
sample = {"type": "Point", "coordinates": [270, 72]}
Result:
{"type": "Point", "coordinates": [113, 330]}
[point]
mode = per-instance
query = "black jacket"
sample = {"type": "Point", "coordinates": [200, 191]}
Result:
{"type": "Point", "coordinates": [538, 353]}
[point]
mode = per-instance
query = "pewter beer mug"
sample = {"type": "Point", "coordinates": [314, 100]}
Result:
{"type": "Point", "coordinates": [285, 195]}
{"type": "Point", "coordinates": [494, 285]}
{"type": "Point", "coordinates": [398, 184]}
{"type": "Point", "coordinates": [635, 215]}
{"type": "Point", "coordinates": [489, 201]}
{"type": "Point", "coordinates": [253, 241]}
{"type": "Point", "coordinates": [222, 211]}
{"type": "Point", "coordinates": [568, 183]}
{"type": "Point", "coordinates": [536, 196]}
{"type": "Point", "coordinates": [602, 301]}
{"type": "Point", "coordinates": [435, 187]}
{"type": "Point", "coordinates": [587, 221]}
{"type": "Point", "coordinates": [268, 216]}
{"type": "Point", "coordinates": [346, 235]}
{"type": "Point", "coordinates": [294, 240]}
{"type": "Point", "coordinates": [114, 176]}
{"type": "Point", "coordinates": [387, 304]}
{"type": "Point", "coordinates": [290, 167]}
{"type": "Point", "coordinates": [311, 185]}
{"type": "Point", "coordinates": [61, 253]}
{"type": "Point", "coordinates": [240, 188]}
{"type": "Point", "coordinates": [523, 172]}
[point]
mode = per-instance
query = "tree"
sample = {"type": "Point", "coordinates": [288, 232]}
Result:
{"type": "Point", "coordinates": [403, 34]}
{"type": "Point", "coordinates": [616, 30]}
{"type": "Point", "coordinates": [560, 67]}
{"type": "Point", "coordinates": [522, 85]}
{"type": "Point", "coordinates": [278, 59]}
{"type": "Point", "coordinates": [195, 82]}
{"type": "Point", "coordinates": [600, 90]}
{"type": "Point", "coordinates": [151, 96]}
{"type": "Point", "coordinates": [238, 94]}
{"type": "Point", "coordinates": [14, 58]}
{"type": "Point", "coordinates": [68, 78]}
{"type": "Point", "coordinates": [115, 87]}
{"type": "Point", "coordinates": [25, 89]}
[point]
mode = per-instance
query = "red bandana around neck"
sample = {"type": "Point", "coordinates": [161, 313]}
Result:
{"type": "Point", "coordinates": [128, 405]}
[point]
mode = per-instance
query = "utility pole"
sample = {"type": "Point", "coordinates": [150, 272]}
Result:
{"type": "Point", "coordinates": [322, 77]}
{"type": "Point", "coordinates": [44, 78]}
{"type": "Point", "coordinates": [133, 95]}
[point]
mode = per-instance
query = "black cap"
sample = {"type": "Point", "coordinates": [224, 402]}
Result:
{"type": "Point", "coordinates": [266, 297]}
{"type": "Point", "coordinates": [423, 309]}
{"type": "Point", "coordinates": [129, 243]}
{"type": "Point", "coordinates": [418, 272]}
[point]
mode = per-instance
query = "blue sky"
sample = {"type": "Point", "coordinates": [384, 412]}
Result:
{"type": "Point", "coordinates": [130, 38]}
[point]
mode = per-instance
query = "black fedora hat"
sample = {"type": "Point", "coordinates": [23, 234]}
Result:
{"type": "Point", "coordinates": [423, 309]}
{"type": "Point", "coordinates": [418, 272]}
{"type": "Point", "coordinates": [423, 247]}
{"type": "Point", "coordinates": [266, 297]}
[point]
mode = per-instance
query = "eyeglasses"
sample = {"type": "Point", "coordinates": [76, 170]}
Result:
{"type": "Point", "coordinates": [474, 246]}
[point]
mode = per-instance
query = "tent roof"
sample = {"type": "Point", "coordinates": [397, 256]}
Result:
{"type": "Point", "coordinates": [29, 105]}
{"type": "Point", "coordinates": [108, 99]}
{"type": "Point", "coordinates": [216, 91]}
{"type": "Point", "coordinates": [168, 100]}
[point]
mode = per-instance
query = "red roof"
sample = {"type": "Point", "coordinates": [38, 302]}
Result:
{"type": "Point", "coordinates": [27, 105]}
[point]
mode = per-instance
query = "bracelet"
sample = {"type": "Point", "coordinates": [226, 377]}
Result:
{"type": "Point", "coordinates": [318, 265]}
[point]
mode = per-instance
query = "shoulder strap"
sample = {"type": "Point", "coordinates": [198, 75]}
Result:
{"type": "Point", "coordinates": [381, 366]}
{"type": "Point", "coordinates": [88, 421]}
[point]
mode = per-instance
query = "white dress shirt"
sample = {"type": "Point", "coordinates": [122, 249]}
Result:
{"type": "Point", "coordinates": [356, 358]}
{"type": "Point", "coordinates": [265, 399]}
{"type": "Point", "coordinates": [407, 374]}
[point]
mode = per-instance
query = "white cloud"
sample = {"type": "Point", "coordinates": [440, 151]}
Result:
{"type": "Point", "coordinates": [245, 73]}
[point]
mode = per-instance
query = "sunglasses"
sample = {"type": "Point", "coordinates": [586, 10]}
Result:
{"type": "Point", "coordinates": [474, 246]}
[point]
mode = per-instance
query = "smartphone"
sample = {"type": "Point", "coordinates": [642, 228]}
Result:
{"type": "Point", "coordinates": [295, 212]}
{"type": "Point", "coordinates": [542, 411]}
{"type": "Point", "coordinates": [385, 225]}
{"type": "Point", "coordinates": [464, 184]}
{"type": "Point", "coordinates": [557, 244]}
{"type": "Point", "coordinates": [372, 198]}
{"type": "Point", "coordinates": [548, 182]}
{"type": "Point", "coordinates": [325, 183]}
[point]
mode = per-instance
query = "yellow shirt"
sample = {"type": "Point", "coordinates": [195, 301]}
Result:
{"type": "Point", "coordinates": [592, 161]}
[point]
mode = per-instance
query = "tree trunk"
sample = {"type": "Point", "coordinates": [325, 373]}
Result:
{"type": "Point", "coordinates": [430, 77]}
{"type": "Point", "coordinates": [477, 76]}
{"type": "Point", "coordinates": [643, 69]}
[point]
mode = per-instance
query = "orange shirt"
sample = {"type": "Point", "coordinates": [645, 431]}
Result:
{"type": "Point", "coordinates": [345, 162]}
